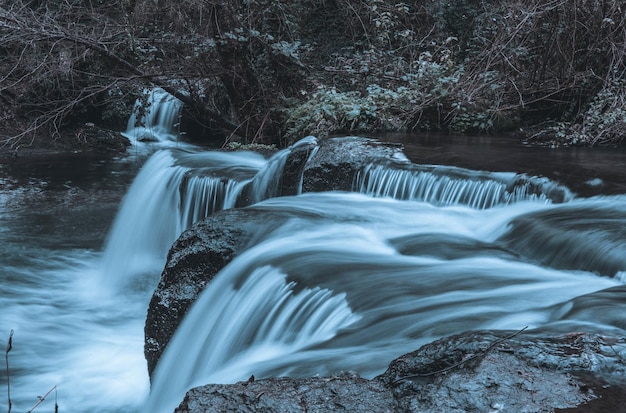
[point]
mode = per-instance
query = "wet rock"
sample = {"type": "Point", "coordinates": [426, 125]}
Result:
{"type": "Point", "coordinates": [493, 371]}
{"type": "Point", "coordinates": [338, 160]}
{"type": "Point", "coordinates": [484, 371]}
{"type": "Point", "coordinates": [343, 393]}
{"type": "Point", "coordinates": [194, 259]}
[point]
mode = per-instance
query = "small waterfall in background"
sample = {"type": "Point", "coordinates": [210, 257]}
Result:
{"type": "Point", "coordinates": [155, 120]}
{"type": "Point", "coordinates": [443, 185]}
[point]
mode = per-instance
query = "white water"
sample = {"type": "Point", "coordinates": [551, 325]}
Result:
{"type": "Point", "coordinates": [349, 245]}
{"type": "Point", "coordinates": [168, 195]}
{"type": "Point", "coordinates": [455, 186]}
{"type": "Point", "coordinates": [155, 123]}
{"type": "Point", "coordinates": [174, 189]}
{"type": "Point", "coordinates": [348, 282]}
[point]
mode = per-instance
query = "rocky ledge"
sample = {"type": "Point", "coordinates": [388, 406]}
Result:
{"type": "Point", "coordinates": [481, 371]}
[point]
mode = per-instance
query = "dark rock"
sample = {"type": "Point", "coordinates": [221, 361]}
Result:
{"type": "Point", "coordinates": [485, 371]}
{"type": "Point", "coordinates": [343, 393]}
{"type": "Point", "coordinates": [195, 258]}
{"type": "Point", "coordinates": [490, 371]}
{"type": "Point", "coordinates": [338, 160]}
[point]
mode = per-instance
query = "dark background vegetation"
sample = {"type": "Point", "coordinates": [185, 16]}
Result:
{"type": "Point", "coordinates": [267, 71]}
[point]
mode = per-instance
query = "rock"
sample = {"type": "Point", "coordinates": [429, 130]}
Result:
{"type": "Point", "coordinates": [338, 160]}
{"type": "Point", "coordinates": [346, 392]}
{"type": "Point", "coordinates": [481, 371]}
{"type": "Point", "coordinates": [194, 259]}
{"type": "Point", "coordinates": [491, 371]}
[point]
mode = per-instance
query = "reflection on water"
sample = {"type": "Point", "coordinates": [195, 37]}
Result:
{"type": "Point", "coordinates": [586, 171]}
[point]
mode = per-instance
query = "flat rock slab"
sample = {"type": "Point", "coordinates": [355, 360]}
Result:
{"type": "Point", "coordinates": [480, 371]}
{"type": "Point", "coordinates": [343, 393]}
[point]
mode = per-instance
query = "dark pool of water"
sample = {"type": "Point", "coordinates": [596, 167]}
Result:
{"type": "Point", "coordinates": [587, 171]}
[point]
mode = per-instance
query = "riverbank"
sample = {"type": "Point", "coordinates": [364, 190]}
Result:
{"type": "Point", "coordinates": [87, 138]}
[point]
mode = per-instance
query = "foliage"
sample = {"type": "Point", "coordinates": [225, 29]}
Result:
{"type": "Point", "coordinates": [271, 71]}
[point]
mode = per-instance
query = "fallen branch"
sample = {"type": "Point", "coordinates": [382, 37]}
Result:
{"type": "Point", "coordinates": [480, 353]}
{"type": "Point", "coordinates": [42, 398]}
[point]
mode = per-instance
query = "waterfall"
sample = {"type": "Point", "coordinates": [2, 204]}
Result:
{"type": "Point", "coordinates": [202, 196]}
{"type": "Point", "coordinates": [318, 295]}
{"type": "Point", "coordinates": [246, 315]}
{"type": "Point", "coordinates": [441, 185]}
{"type": "Point", "coordinates": [267, 183]}
{"type": "Point", "coordinates": [330, 282]}
{"type": "Point", "coordinates": [159, 121]}
{"type": "Point", "coordinates": [176, 188]}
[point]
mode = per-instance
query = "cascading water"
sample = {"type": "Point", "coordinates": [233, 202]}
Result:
{"type": "Point", "coordinates": [182, 186]}
{"type": "Point", "coordinates": [155, 120]}
{"type": "Point", "coordinates": [395, 295]}
{"type": "Point", "coordinates": [266, 183]}
{"type": "Point", "coordinates": [171, 196]}
{"type": "Point", "coordinates": [285, 322]}
{"type": "Point", "coordinates": [441, 185]}
{"type": "Point", "coordinates": [338, 281]}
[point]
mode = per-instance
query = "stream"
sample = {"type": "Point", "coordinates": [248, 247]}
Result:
{"type": "Point", "coordinates": [351, 282]}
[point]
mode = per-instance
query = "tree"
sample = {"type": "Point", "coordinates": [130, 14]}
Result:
{"type": "Point", "coordinates": [62, 59]}
{"type": "Point", "coordinates": [272, 71]}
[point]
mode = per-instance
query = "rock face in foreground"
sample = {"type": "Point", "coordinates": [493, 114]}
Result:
{"type": "Point", "coordinates": [485, 371]}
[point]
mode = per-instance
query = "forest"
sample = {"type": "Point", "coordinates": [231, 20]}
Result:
{"type": "Point", "coordinates": [549, 72]}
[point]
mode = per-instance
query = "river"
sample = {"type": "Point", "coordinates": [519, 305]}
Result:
{"type": "Point", "coordinates": [351, 282]}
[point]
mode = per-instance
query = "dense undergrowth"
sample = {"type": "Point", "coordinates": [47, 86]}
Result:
{"type": "Point", "coordinates": [268, 71]}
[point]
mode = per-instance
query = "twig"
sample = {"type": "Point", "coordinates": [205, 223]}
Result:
{"type": "Point", "coordinates": [42, 398]}
{"type": "Point", "coordinates": [474, 356]}
{"type": "Point", "coordinates": [9, 348]}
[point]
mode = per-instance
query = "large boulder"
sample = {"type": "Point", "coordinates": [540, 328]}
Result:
{"type": "Point", "coordinates": [194, 259]}
{"type": "Point", "coordinates": [480, 371]}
